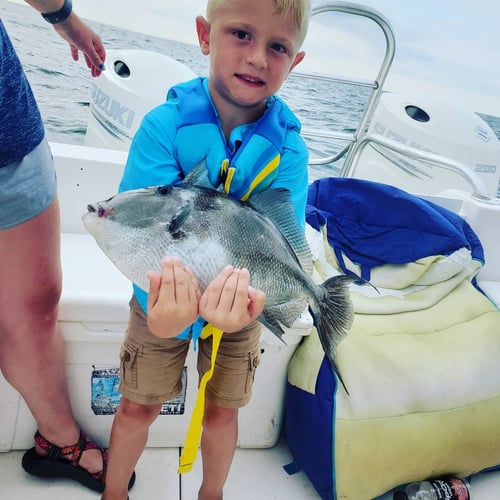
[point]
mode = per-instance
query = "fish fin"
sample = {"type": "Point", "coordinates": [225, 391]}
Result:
{"type": "Point", "coordinates": [276, 205]}
{"type": "Point", "coordinates": [333, 316]}
{"type": "Point", "coordinates": [177, 221]}
{"type": "Point", "coordinates": [286, 313]}
{"type": "Point", "coordinates": [198, 176]}
{"type": "Point", "coordinates": [271, 324]}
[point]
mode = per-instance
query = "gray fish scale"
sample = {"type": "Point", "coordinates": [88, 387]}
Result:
{"type": "Point", "coordinates": [253, 242]}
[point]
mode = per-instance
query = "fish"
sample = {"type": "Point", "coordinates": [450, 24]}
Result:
{"type": "Point", "coordinates": [207, 230]}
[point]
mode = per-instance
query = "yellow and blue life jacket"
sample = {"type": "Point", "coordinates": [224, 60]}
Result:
{"type": "Point", "coordinates": [252, 165]}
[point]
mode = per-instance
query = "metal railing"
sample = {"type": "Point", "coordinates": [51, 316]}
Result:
{"type": "Point", "coordinates": [357, 141]}
{"type": "Point", "coordinates": [375, 85]}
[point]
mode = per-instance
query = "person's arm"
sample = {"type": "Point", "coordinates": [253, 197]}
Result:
{"type": "Point", "coordinates": [151, 158]}
{"type": "Point", "coordinates": [293, 174]}
{"type": "Point", "coordinates": [72, 29]}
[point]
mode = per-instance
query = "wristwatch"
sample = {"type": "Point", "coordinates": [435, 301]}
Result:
{"type": "Point", "coordinates": [59, 15]}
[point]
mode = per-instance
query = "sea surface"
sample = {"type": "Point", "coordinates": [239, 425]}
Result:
{"type": "Point", "coordinates": [63, 87]}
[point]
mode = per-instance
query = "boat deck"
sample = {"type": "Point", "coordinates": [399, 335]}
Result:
{"type": "Point", "coordinates": [257, 474]}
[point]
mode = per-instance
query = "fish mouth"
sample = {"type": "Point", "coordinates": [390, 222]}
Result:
{"type": "Point", "coordinates": [99, 210]}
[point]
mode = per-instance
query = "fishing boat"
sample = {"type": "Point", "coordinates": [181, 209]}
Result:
{"type": "Point", "coordinates": [404, 419]}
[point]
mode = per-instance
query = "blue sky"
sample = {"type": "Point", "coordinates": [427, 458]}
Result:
{"type": "Point", "coordinates": [444, 46]}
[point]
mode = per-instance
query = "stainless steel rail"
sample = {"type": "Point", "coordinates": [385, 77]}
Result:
{"type": "Point", "coordinates": [358, 140]}
{"type": "Point", "coordinates": [376, 85]}
{"type": "Point", "coordinates": [457, 167]}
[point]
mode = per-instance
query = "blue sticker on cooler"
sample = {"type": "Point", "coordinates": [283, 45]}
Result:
{"type": "Point", "coordinates": [106, 394]}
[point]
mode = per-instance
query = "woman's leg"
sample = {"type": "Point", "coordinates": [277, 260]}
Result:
{"type": "Point", "coordinates": [31, 346]}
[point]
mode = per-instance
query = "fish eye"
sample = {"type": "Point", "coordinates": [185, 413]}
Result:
{"type": "Point", "coordinates": [163, 190]}
{"type": "Point", "coordinates": [101, 212]}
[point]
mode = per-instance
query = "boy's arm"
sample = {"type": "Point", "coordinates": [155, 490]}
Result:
{"type": "Point", "coordinates": [293, 174]}
{"type": "Point", "coordinates": [151, 159]}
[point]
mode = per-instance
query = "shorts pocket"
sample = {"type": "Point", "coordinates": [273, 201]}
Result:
{"type": "Point", "coordinates": [130, 352]}
{"type": "Point", "coordinates": [253, 363]}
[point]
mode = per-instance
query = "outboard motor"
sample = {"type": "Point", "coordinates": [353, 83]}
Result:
{"type": "Point", "coordinates": [434, 125]}
{"type": "Point", "coordinates": [135, 82]}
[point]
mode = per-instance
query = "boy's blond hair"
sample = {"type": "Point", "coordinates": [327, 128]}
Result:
{"type": "Point", "coordinates": [300, 11]}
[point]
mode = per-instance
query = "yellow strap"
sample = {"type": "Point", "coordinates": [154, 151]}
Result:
{"type": "Point", "coordinates": [193, 437]}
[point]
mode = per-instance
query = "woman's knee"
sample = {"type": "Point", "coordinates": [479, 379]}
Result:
{"type": "Point", "coordinates": [35, 311]}
{"type": "Point", "coordinates": [44, 301]}
{"type": "Point", "coordinates": [41, 305]}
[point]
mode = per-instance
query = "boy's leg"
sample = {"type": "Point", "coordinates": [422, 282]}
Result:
{"type": "Point", "coordinates": [229, 389]}
{"type": "Point", "coordinates": [218, 444]}
{"type": "Point", "coordinates": [150, 374]}
{"type": "Point", "coordinates": [128, 440]}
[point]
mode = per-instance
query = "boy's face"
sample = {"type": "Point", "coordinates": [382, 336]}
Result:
{"type": "Point", "coordinates": [252, 50]}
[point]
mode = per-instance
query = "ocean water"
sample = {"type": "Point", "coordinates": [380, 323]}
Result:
{"type": "Point", "coordinates": [63, 87]}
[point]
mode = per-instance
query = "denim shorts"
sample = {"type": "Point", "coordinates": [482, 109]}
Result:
{"type": "Point", "coordinates": [151, 367]}
{"type": "Point", "coordinates": [27, 187]}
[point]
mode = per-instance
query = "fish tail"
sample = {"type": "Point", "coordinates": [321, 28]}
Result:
{"type": "Point", "coordinates": [334, 316]}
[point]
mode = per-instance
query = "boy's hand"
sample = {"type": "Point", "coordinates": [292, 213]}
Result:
{"type": "Point", "coordinates": [229, 303]}
{"type": "Point", "coordinates": [173, 299]}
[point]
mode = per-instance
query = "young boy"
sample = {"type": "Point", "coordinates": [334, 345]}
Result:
{"type": "Point", "coordinates": [250, 141]}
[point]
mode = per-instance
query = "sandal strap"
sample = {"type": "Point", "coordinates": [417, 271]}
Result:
{"type": "Point", "coordinates": [76, 450]}
{"type": "Point", "coordinates": [53, 451]}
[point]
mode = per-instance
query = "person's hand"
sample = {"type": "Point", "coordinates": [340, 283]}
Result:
{"type": "Point", "coordinates": [173, 299]}
{"type": "Point", "coordinates": [82, 38]}
{"type": "Point", "coordinates": [229, 302]}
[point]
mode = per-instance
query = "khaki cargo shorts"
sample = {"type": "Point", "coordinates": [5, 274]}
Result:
{"type": "Point", "coordinates": [151, 367]}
